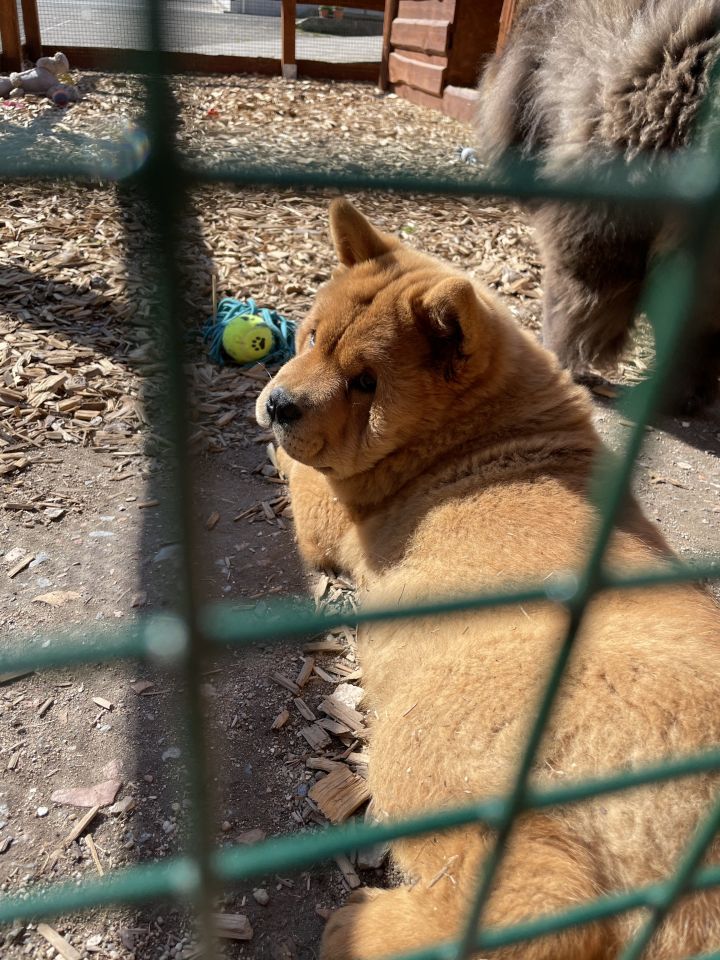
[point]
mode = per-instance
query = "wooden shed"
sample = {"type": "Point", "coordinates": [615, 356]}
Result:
{"type": "Point", "coordinates": [436, 48]}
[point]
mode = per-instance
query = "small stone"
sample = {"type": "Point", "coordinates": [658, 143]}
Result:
{"type": "Point", "coordinates": [42, 811]}
{"type": "Point", "coordinates": [251, 836]}
{"type": "Point", "coordinates": [172, 753]}
{"type": "Point", "coordinates": [226, 826]}
{"type": "Point", "coordinates": [39, 558]}
{"type": "Point", "coordinates": [170, 552]}
{"type": "Point", "coordinates": [349, 694]}
{"type": "Point", "coordinates": [372, 858]}
{"type": "Point", "coordinates": [123, 806]}
{"type": "Point", "coordinates": [94, 941]}
{"type": "Point", "coordinates": [148, 778]}
{"type": "Point", "coordinates": [168, 826]}
{"type": "Point", "coordinates": [261, 896]}
{"type": "Point", "coordinates": [467, 155]}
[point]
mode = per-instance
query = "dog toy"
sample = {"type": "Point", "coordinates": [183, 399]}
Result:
{"type": "Point", "coordinates": [246, 333]}
{"type": "Point", "coordinates": [247, 338]}
{"type": "Point", "coordinates": [61, 96]}
{"type": "Point", "coordinates": [46, 77]}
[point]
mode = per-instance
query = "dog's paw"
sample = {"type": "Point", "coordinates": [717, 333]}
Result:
{"type": "Point", "coordinates": [346, 933]}
{"type": "Point", "coordinates": [339, 941]}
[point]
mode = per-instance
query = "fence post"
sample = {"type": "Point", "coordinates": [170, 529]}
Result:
{"type": "Point", "coordinates": [391, 9]}
{"type": "Point", "coordinates": [31, 22]}
{"type": "Point", "coordinates": [288, 63]}
{"type": "Point", "coordinates": [506, 21]}
{"type": "Point", "coordinates": [11, 58]}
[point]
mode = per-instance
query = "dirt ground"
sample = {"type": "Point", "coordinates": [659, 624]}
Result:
{"type": "Point", "coordinates": [85, 496]}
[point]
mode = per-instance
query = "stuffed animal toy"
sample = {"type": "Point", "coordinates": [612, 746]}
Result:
{"type": "Point", "coordinates": [43, 78]}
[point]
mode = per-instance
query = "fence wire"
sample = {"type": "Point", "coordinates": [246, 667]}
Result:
{"type": "Point", "coordinates": [211, 27]}
{"type": "Point", "coordinates": [232, 28]}
{"type": "Point", "coordinates": [690, 183]}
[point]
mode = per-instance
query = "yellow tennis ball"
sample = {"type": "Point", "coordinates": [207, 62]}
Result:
{"type": "Point", "coordinates": [247, 338]}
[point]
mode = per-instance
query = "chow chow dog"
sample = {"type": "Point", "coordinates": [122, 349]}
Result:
{"type": "Point", "coordinates": [579, 84]}
{"type": "Point", "coordinates": [435, 449]}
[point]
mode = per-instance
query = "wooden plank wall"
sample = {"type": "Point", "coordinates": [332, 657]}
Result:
{"type": "Point", "coordinates": [437, 47]}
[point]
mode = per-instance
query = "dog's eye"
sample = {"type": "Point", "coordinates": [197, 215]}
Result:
{"type": "Point", "coordinates": [366, 383]}
{"type": "Point", "coordinates": [311, 339]}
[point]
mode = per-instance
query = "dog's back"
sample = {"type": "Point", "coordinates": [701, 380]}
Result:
{"type": "Point", "coordinates": [579, 84]}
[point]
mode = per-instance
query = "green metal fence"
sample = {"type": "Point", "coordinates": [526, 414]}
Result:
{"type": "Point", "coordinates": [690, 185]}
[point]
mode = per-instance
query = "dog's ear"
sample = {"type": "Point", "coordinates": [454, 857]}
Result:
{"type": "Point", "coordinates": [456, 321]}
{"type": "Point", "coordinates": [355, 239]}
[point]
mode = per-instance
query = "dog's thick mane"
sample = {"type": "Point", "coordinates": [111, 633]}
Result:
{"type": "Point", "coordinates": [555, 424]}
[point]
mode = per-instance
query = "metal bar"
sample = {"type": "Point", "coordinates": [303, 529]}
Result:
{"type": "Point", "coordinates": [162, 636]}
{"type": "Point", "coordinates": [496, 937]}
{"type": "Point", "coordinates": [686, 183]}
{"type": "Point", "coordinates": [296, 852]}
{"type": "Point", "coordinates": [683, 184]}
{"type": "Point", "coordinates": [678, 884]}
{"type": "Point", "coordinates": [179, 879]}
{"type": "Point", "coordinates": [165, 190]}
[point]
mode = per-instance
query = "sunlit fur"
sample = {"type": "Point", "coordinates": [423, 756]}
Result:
{"type": "Point", "coordinates": [467, 470]}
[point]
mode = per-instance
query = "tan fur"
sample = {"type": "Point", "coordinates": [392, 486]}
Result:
{"type": "Point", "coordinates": [465, 470]}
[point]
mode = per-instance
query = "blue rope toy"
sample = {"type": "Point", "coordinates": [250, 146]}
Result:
{"type": "Point", "coordinates": [282, 329]}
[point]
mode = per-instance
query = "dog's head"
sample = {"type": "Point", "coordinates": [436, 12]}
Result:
{"type": "Point", "coordinates": [387, 355]}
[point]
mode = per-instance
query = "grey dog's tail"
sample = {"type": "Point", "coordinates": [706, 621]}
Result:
{"type": "Point", "coordinates": [651, 100]}
{"type": "Point", "coordinates": [625, 76]}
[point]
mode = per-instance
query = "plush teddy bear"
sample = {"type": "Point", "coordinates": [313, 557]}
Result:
{"type": "Point", "coordinates": [43, 76]}
{"type": "Point", "coordinates": [42, 79]}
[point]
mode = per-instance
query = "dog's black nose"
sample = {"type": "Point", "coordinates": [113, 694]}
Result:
{"type": "Point", "coordinates": [280, 408]}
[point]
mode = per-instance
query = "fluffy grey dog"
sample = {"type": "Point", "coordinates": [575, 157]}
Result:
{"type": "Point", "coordinates": [579, 83]}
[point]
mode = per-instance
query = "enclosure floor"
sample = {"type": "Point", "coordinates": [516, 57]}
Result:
{"type": "Point", "coordinates": [71, 304]}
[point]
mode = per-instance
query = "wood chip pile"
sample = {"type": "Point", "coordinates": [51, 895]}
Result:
{"type": "Point", "coordinates": [335, 731]}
